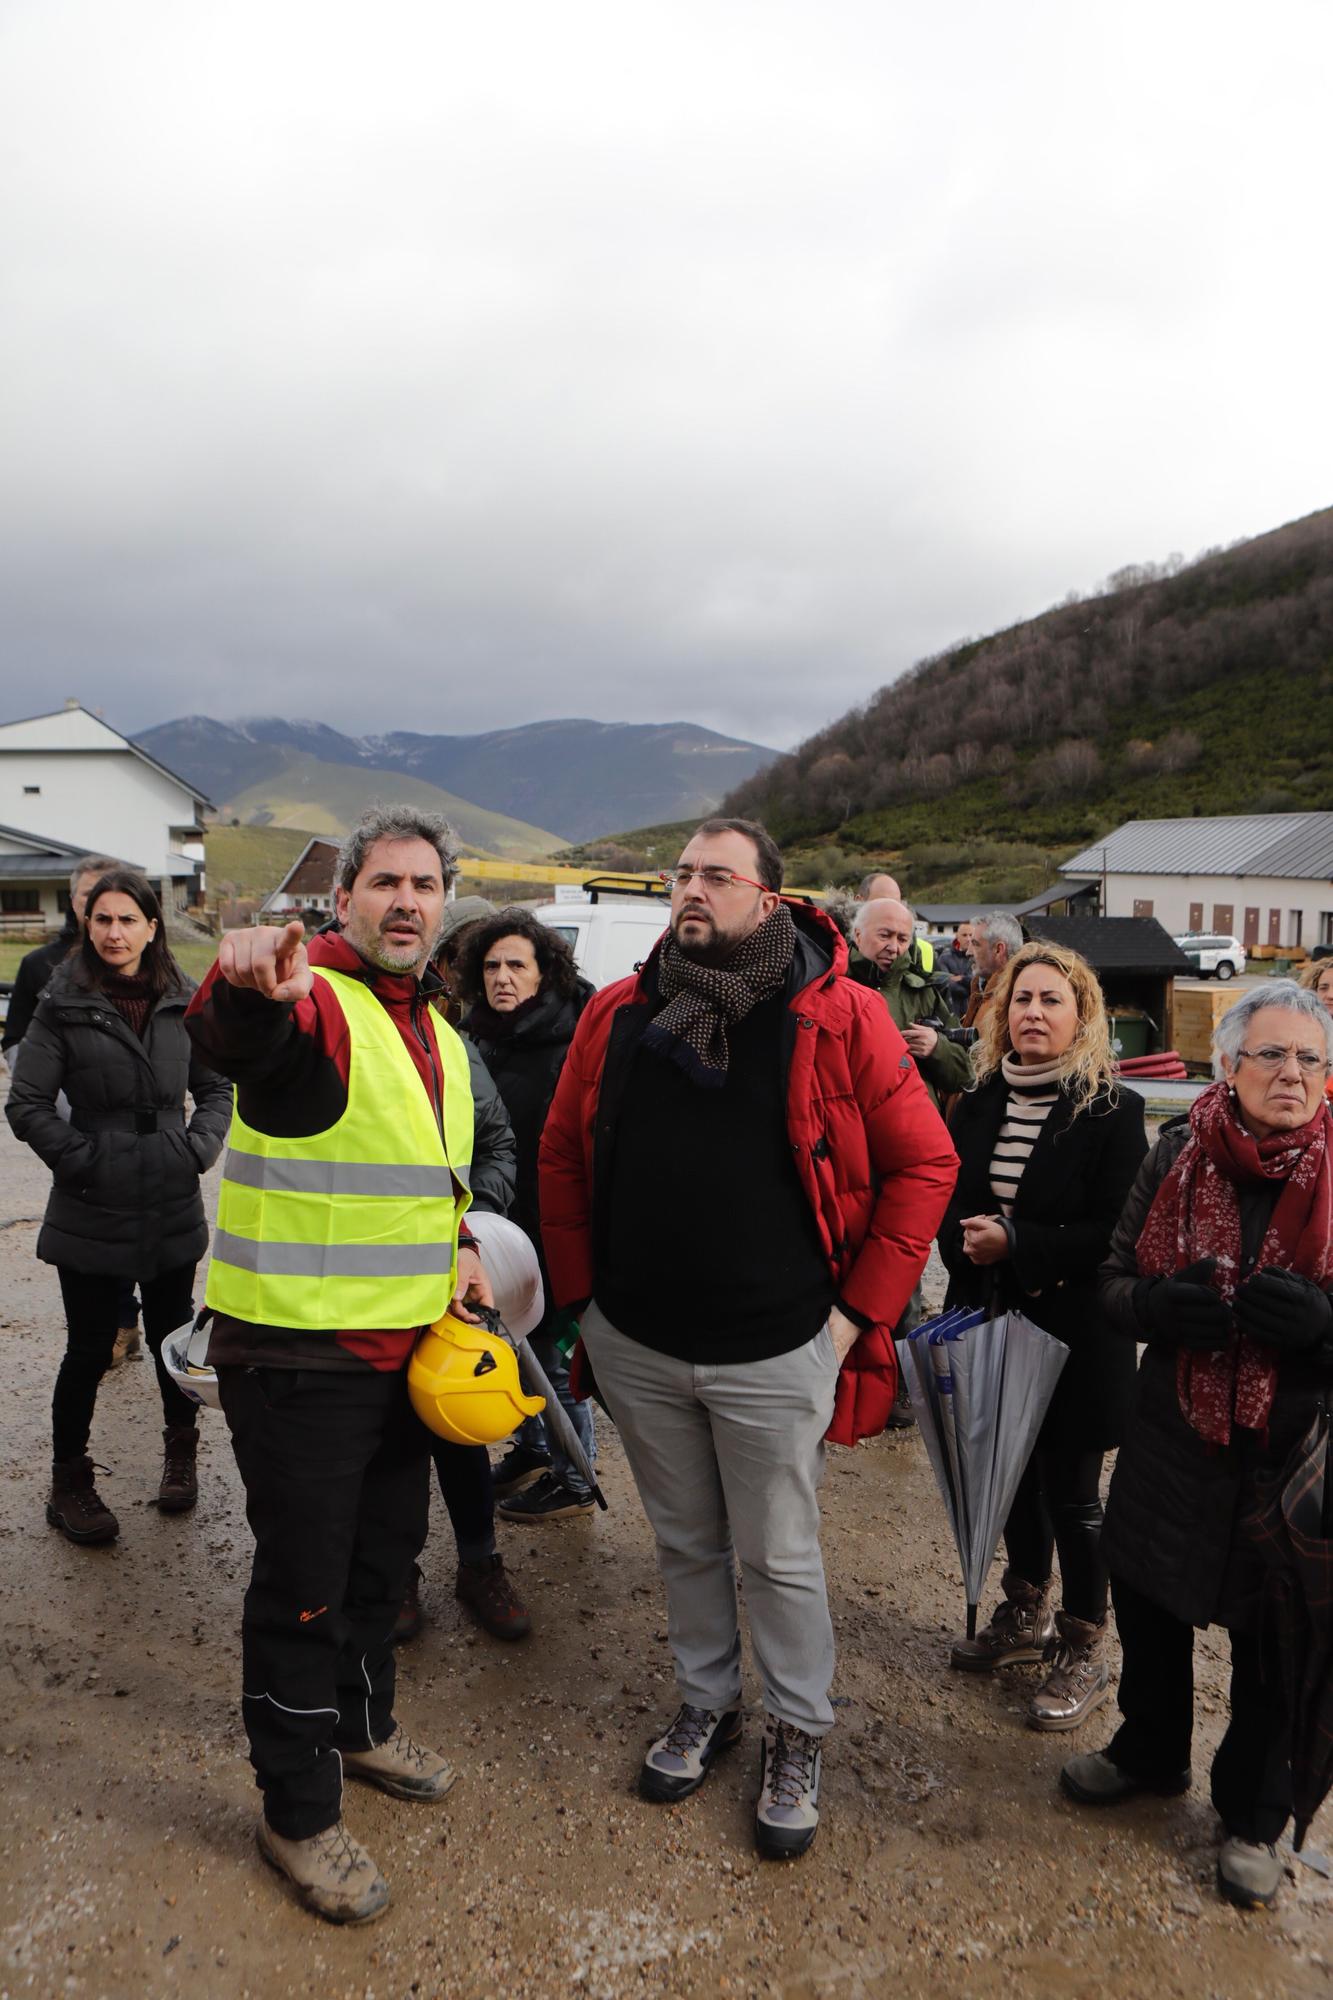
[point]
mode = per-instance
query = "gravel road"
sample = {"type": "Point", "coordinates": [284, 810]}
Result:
{"type": "Point", "coordinates": [947, 1863]}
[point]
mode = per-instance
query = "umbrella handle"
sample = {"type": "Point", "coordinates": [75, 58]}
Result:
{"type": "Point", "coordinates": [971, 1621]}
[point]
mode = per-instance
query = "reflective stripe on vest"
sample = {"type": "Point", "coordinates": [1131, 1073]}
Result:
{"type": "Point", "coordinates": [357, 1226]}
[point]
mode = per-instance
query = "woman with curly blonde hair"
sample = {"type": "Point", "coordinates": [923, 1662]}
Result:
{"type": "Point", "coordinates": [1048, 1149]}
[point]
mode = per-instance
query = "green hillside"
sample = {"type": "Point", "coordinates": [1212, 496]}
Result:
{"type": "Point", "coordinates": [315, 797]}
{"type": "Point", "coordinates": [251, 859]}
{"type": "Point", "coordinates": [1196, 689]}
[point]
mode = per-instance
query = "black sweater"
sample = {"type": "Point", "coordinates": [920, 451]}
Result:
{"type": "Point", "coordinates": [710, 1250]}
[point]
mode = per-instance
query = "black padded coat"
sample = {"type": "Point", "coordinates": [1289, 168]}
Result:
{"type": "Point", "coordinates": [1175, 1512]}
{"type": "Point", "coordinates": [125, 1165]}
{"type": "Point", "coordinates": [1070, 1196]}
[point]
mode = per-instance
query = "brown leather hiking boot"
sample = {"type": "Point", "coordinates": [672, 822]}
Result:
{"type": "Point", "coordinates": [76, 1507]}
{"type": "Point", "coordinates": [489, 1594]}
{"type": "Point", "coordinates": [128, 1346]}
{"type": "Point", "coordinates": [1020, 1629]}
{"type": "Point", "coordinates": [180, 1485]}
{"type": "Point", "coordinates": [1080, 1678]}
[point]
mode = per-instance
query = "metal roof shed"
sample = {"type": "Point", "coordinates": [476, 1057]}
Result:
{"type": "Point", "coordinates": [1133, 957]}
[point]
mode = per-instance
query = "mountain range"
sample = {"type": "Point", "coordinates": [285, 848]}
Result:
{"type": "Point", "coordinates": [560, 781]}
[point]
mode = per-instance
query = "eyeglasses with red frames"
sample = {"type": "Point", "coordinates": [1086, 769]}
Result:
{"type": "Point", "coordinates": [712, 878]}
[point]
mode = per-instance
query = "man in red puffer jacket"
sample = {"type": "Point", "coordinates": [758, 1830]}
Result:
{"type": "Point", "coordinates": [741, 1175]}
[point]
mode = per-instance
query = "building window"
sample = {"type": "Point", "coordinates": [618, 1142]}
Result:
{"type": "Point", "coordinates": [1326, 927]}
{"type": "Point", "coordinates": [20, 902]}
{"type": "Point", "coordinates": [1294, 926]}
{"type": "Point", "coordinates": [32, 791]}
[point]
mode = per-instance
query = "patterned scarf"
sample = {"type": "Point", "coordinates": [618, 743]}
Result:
{"type": "Point", "coordinates": [1196, 1213]}
{"type": "Point", "coordinates": [702, 1001]}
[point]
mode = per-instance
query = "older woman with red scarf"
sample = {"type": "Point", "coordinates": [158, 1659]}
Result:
{"type": "Point", "coordinates": [1222, 1263]}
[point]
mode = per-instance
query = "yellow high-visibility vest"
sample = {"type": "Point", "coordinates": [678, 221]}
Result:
{"type": "Point", "coordinates": [357, 1226]}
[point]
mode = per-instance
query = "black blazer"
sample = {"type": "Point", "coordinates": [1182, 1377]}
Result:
{"type": "Point", "coordinates": [1068, 1202]}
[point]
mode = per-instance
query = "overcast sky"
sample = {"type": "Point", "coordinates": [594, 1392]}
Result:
{"type": "Point", "coordinates": [443, 367]}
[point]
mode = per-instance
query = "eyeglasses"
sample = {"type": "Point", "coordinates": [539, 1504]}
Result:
{"type": "Point", "coordinates": [1271, 1060]}
{"type": "Point", "coordinates": [712, 878]}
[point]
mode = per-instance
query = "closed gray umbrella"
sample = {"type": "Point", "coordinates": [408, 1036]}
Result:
{"type": "Point", "coordinates": [980, 1388]}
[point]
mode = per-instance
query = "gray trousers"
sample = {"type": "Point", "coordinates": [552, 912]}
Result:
{"type": "Point", "coordinates": [728, 1462]}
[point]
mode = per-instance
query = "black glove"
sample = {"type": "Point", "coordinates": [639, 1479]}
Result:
{"type": "Point", "coordinates": [1184, 1310]}
{"type": "Point", "coordinates": [1284, 1310]}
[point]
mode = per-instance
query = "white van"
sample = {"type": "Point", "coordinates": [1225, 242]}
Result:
{"type": "Point", "coordinates": [608, 939]}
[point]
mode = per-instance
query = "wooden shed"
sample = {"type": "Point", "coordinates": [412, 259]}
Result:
{"type": "Point", "coordinates": [1137, 964]}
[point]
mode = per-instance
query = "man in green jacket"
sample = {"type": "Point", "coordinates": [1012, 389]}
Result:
{"type": "Point", "coordinates": [917, 1001]}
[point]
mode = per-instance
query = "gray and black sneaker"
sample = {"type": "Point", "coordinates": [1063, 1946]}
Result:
{"type": "Point", "coordinates": [786, 1814]}
{"type": "Point", "coordinates": [1249, 1872]}
{"type": "Point", "coordinates": [678, 1762]}
{"type": "Point", "coordinates": [520, 1467]}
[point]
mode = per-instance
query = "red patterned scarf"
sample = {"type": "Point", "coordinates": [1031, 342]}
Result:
{"type": "Point", "coordinates": [1196, 1213]}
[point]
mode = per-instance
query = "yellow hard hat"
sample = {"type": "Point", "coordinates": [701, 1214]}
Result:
{"type": "Point", "coordinates": [464, 1384]}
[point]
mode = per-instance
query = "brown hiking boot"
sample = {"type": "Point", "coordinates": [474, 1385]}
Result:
{"type": "Point", "coordinates": [76, 1507]}
{"type": "Point", "coordinates": [490, 1596]}
{"type": "Point", "coordinates": [128, 1345]}
{"type": "Point", "coordinates": [180, 1486]}
{"type": "Point", "coordinates": [1080, 1678]}
{"type": "Point", "coordinates": [332, 1873]}
{"type": "Point", "coordinates": [1020, 1629]}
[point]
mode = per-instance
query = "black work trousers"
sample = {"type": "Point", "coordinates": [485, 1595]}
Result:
{"type": "Point", "coordinates": [93, 1306]}
{"type": "Point", "coordinates": [1251, 1775]}
{"type": "Point", "coordinates": [336, 1467]}
{"type": "Point", "coordinates": [1058, 1506]}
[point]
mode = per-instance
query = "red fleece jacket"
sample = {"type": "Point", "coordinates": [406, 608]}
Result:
{"type": "Point", "coordinates": [874, 1159]}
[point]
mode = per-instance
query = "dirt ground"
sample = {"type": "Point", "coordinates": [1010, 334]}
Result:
{"type": "Point", "coordinates": [946, 1863]}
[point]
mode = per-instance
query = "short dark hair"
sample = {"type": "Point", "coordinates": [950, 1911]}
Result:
{"type": "Point", "coordinates": [766, 848]}
{"type": "Point", "coordinates": [555, 958]}
{"type": "Point", "coordinates": [395, 823]}
{"type": "Point", "coordinates": [91, 864]}
{"type": "Point", "coordinates": [157, 966]}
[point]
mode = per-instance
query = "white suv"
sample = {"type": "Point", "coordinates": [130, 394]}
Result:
{"type": "Point", "coordinates": [608, 939]}
{"type": "Point", "coordinates": [1210, 952]}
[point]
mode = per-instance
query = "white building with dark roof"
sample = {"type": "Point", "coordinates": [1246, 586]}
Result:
{"type": "Point", "coordinates": [69, 782]}
{"type": "Point", "coordinates": [1266, 878]}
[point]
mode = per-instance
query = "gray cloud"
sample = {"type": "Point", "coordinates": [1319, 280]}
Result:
{"type": "Point", "coordinates": [445, 367]}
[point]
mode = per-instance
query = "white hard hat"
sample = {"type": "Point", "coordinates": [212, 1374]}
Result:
{"type": "Point", "coordinates": [183, 1357]}
{"type": "Point", "coordinates": [511, 1265]}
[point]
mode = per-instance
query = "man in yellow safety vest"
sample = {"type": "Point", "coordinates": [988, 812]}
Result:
{"type": "Point", "coordinates": [340, 1234]}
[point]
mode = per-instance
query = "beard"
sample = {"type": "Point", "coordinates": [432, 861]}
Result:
{"type": "Point", "coordinates": [709, 944]}
{"type": "Point", "coordinates": [370, 941]}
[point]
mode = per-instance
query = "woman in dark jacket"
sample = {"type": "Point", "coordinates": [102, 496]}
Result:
{"type": "Point", "coordinates": [1223, 1264]}
{"type": "Point", "coordinates": [525, 998]}
{"type": "Point", "coordinates": [1049, 1148]}
{"type": "Point", "coordinates": [125, 1202]}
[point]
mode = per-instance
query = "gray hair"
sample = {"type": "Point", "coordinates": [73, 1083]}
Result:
{"type": "Point", "coordinates": [998, 927]}
{"type": "Point", "coordinates": [395, 823]}
{"type": "Point", "coordinates": [1230, 1032]}
{"type": "Point", "coordinates": [91, 864]}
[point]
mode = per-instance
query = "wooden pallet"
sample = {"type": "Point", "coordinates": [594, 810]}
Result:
{"type": "Point", "coordinates": [1198, 1009]}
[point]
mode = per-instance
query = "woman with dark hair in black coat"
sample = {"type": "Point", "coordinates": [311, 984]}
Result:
{"type": "Point", "coordinates": [125, 1201]}
{"type": "Point", "coordinates": [524, 998]}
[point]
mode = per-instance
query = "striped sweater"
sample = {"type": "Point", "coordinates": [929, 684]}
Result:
{"type": "Point", "coordinates": [1033, 1089]}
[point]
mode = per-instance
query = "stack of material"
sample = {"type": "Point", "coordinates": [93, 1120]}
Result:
{"type": "Point", "coordinates": [1164, 1068]}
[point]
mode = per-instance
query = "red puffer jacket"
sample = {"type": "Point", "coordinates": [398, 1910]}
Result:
{"type": "Point", "coordinates": [874, 1159]}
